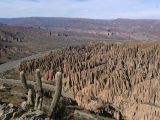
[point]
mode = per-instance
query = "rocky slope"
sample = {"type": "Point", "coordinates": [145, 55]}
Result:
{"type": "Point", "coordinates": [120, 80]}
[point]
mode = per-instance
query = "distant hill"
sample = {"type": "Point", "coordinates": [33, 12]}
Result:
{"type": "Point", "coordinates": [121, 28]}
{"type": "Point", "coordinates": [19, 41]}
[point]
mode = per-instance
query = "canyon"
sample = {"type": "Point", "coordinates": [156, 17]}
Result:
{"type": "Point", "coordinates": [120, 80]}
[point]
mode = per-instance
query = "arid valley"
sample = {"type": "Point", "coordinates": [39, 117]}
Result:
{"type": "Point", "coordinates": [79, 60]}
{"type": "Point", "coordinates": [106, 72]}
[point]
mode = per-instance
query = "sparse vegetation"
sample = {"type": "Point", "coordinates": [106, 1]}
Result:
{"type": "Point", "coordinates": [101, 80]}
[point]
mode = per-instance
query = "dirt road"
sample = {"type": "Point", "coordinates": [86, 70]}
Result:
{"type": "Point", "coordinates": [16, 63]}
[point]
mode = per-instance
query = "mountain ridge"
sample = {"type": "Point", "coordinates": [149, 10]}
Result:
{"type": "Point", "coordinates": [137, 29]}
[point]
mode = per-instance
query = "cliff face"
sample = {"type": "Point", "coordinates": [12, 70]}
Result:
{"type": "Point", "coordinates": [101, 74]}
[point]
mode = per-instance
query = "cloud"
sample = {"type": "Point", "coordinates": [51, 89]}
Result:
{"type": "Point", "coordinates": [81, 0]}
{"type": "Point", "coordinates": [152, 14]}
{"type": "Point", "coordinates": [102, 9]}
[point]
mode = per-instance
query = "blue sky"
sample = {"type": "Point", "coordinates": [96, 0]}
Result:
{"type": "Point", "coordinates": [98, 9]}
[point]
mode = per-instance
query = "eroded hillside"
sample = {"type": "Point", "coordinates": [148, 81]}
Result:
{"type": "Point", "coordinates": [120, 80]}
{"type": "Point", "coordinates": [17, 42]}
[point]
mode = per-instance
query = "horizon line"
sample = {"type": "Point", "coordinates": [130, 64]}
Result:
{"type": "Point", "coordinates": [80, 18]}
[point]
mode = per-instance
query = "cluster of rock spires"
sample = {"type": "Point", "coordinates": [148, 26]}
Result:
{"type": "Point", "coordinates": [122, 76]}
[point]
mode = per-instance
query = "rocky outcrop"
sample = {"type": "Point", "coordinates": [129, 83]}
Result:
{"type": "Point", "coordinates": [10, 112]}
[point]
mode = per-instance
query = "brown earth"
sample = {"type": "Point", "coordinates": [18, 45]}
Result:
{"type": "Point", "coordinates": [18, 42]}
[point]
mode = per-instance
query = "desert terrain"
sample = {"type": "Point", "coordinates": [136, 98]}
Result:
{"type": "Point", "coordinates": [79, 69]}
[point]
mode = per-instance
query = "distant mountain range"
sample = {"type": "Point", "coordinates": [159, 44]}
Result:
{"type": "Point", "coordinates": [22, 36]}
{"type": "Point", "coordinates": [127, 29]}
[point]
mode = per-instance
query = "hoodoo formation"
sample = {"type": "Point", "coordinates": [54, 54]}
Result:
{"type": "Point", "coordinates": [118, 79]}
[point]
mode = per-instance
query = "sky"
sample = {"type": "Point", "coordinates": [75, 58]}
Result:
{"type": "Point", "coordinates": [95, 9]}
